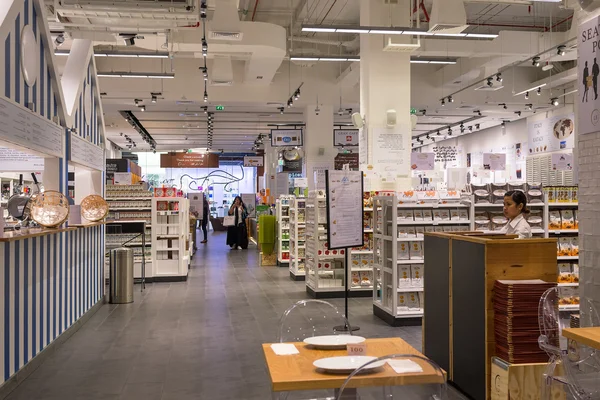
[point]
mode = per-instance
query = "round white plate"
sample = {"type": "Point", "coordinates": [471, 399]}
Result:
{"type": "Point", "coordinates": [346, 364]}
{"type": "Point", "coordinates": [333, 341]}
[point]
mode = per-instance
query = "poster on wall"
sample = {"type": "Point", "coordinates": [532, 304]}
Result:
{"type": "Point", "coordinates": [197, 204]}
{"type": "Point", "coordinates": [344, 209]}
{"type": "Point", "coordinates": [342, 159]}
{"type": "Point", "coordinates": [494, 161]}
{"type": "Point", "coordinates": [562, 162]}
{"type": "Point", "coordinates": [249, 200]}
{"type": "Point", "coordinates": [389, 152]}
{"type": "Point", "coordinates": [551, 134]}
{"type": "Point", "coordinates": [345, 137]}
{"type": "Point", "coordinates": [587, 96]}
{"type": "Point", "coordinates": [422, 161]}
{"type": "Point", "coordinates": [286, 137]}
{"type": "Point", "coordinates": [282, 184]}
{"type": "Point", "coordinates": [363, 146]}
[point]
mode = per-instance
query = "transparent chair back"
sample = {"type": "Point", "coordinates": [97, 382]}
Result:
{"type": "Point", "coordinates": [309, 318]}
{"type": "Point", "coordinates": [429, 383]}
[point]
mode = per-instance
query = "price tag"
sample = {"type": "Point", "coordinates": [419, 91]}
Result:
{"type": "Point", "coordinates": [359, 349]}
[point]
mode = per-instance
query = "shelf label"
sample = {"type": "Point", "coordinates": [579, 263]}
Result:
{"type": "Point", "coordinates": [358, 349]}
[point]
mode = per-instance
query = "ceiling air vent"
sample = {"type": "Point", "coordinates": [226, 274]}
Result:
{"type": "Point", "coordinates": [222, 35]}
{"type": "Point", "coordinates": [448, 16]}
{"type": "Point", "coordinates": [217, 82]}
{"type": "Point", "coordinates": [486, 88]}
{"type": "Point", "coordinates": [184, 102]}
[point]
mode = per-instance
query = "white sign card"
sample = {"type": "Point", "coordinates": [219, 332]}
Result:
{"type": "Point", "coordinates": [286, 137]}
{"type": "Point", "coordinates": [551, 134]}
{"type": "Point", "coordinates": [253, 161]}
{"type": "Point", "coordinates": [588, 117]}
{"type": "Point", "coordinates": [12, 160]}
{"type": "Point", "coordinates": [344, 209]}
{"type": "Point", "coordinates": [86, 153]}
{"type": "Point", "coordinates": [422, 161]}
{"type": "Point", "coordinates": [494, 161]}
{"type": "Point", "coordinates": [197, 204]}
{"type": "Point", "coordinates": [389, 152]}
{"type": "Point", "coordinates": [249, 200]}
{"type": "Point", "coordinates": [22, 127]}
{"type": "Point", "coordinates": [562, 162]}
{"type": "Point", "coordinates": [122, 178]}
{"type": "Point", "coordinates": [345, 137]}
{"type": "Point", "coordinates": [301, 182]}
{"type": "Point", "coordinates": [363, 146]}
{"type": "Point", "coordinates": [282, 183]}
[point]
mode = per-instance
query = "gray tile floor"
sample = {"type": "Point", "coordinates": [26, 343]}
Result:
{"type": "Point", "coordinates": [198, 339]}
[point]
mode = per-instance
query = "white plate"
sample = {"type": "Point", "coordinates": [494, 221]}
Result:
{"type": "Point", "coordinates": [346, 364]}
{"type": "Point", "coordinates": [333, 341]}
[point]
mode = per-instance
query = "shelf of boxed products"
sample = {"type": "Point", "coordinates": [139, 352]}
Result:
{"type": "Point", "coordinates": [283, 228]}
{"type": "Point", "coordinates": [362, 258]}
{"type": "Point", "coordinates": [170, 235]}
{"type": "Point", "coordinates": [297, 238]}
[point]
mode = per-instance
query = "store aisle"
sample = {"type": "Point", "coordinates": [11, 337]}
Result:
{"type": "Point", "coordinates": [198, 339]}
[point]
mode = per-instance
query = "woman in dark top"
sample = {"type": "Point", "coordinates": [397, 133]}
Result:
{"type": "Point", "coordinates": [237, 235]}
{"type": "Point", "coordinates": [205, 217]}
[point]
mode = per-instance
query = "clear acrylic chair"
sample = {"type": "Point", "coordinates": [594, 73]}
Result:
{"type": "Point", "coordinates": [308, 318]}
{"type": "Point", "coordinates": [432, 381]}
{"type": "Point", "coordinates": [571, 364]}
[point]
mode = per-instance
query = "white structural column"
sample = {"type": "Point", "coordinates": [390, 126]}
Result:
{"type": "Point", "coordinates": [385, 85]}
{"type": "Point", "coordinates": [318, 140]}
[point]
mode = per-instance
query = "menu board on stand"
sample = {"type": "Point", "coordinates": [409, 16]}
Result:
{"type": "Point", "coordinates": [344, 218]}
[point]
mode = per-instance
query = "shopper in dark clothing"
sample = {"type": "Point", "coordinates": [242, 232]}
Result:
{"type": "Point", "coordinates": [237, 235]}
{"type": "Point", "coordinates": [595, 73]}
{"type": "Point", "coordinates": [205, 217]}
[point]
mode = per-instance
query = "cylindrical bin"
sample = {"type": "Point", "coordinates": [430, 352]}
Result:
{"type": "Point", "coordinates": [121, 276]}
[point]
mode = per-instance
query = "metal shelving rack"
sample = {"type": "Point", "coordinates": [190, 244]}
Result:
{"type": "Point", "coordinates": [283, 228]}
{"type": "Point", "coordinates": [362, 259]}
{"type": "Point", "coordinates": [170, 238]}
{"type": "Point", "coordinates": [297, 238]}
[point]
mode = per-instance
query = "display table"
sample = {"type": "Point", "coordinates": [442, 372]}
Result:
{"type": "Point", "coordinates": [297, 373]}
{"type": "Point", "coordinates": [587, 336]}
{"type": "Point", "coordinates": [459, 275]}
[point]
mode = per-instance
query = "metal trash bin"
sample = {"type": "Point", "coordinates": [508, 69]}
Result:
{"type": "Point", "coordinates": [121, 276]}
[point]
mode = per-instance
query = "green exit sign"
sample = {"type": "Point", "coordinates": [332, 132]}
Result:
{"type": "Point", "coordinates": [413, 111]}
{"type": "Point", "coordinates": [219, 108]}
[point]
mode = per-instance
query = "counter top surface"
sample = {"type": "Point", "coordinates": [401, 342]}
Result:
{"type": "Point", "coordinates": [31, 232]}
{"type": "Point", "coordinates": [588, 336]}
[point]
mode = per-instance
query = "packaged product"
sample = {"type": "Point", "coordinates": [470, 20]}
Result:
{"type": "Point", "coordinates": [427, 215]}
{"type": "Point", "coordinates": [562, 194]}
{"type": "Point", "coordinates": [412, 301]}
{"type": "Point", "coordinates": [498, 218]}
{"type": "Point", "coordinates": [535, 219]}
{"type": "Point", "coordinates": [576, 273]}
{"type": "Point", "coordinates": [550, 194]}
{"type": "Point", "coordinates": [454, 215]}
{"type": "Point", "coordinates": [402, 301]}
{"type": "Point", "coordinates": [575, 246]}
{"type": "Point", "coordinates": [445, 215]}
{"type": "Point", "coordinates": [564, 273]}
{"type": "Point", "coordinates": [429, 229]}
{"type": "Point", "coordinates": [327, 265]}
{"type": "Point", "coordinates": [518, 186]}
{"type": "Point", "coordinates": [482, 225]}
{"type": "Point", "coordinates": [568, 295]}
{"type": "Point", "coordinates": [419, 231]}
{"type": "Point", "coordinates": [463, 215]}
{"type": "Point", "coordinates": [355, 279]}
{"type": "Point", "coordinates": [498, 192]}
{"type": "Point", "coordinates": [439, 229]}
{"type": "Point", "coordinates": [575, 194]}
{"type": "Point", "coordinates": [481, 193]}
{"type": "Point", "coordinates": [366, 278]}
{"type": "Point", "coordinates": [416, 277]}
{"type": "Point", "coordinates": [437, 215]}
{"type": "Point", "coordinates": [576, 218]}
{"type": "Point", "coordinates": [535, 193]}
{"type": "Point", "coordinates": [406, 231]}
{"type": "Point", "coordinates": [406, 215]}
{"type": "Point", "coordinates": [416, 250]}
{"type": "Point", "coordinates": [403, 251]}
{"type": "Point", "coordinates": [403, 275]}
{"type": "Point", "coordinates": [447, 228]}
{"type": "Point", "coordinates": [554, 221]}
{"type": "Point", "coordinates": [458, 228]}
{"type": "Point", "coordinates": [356, 260]}
{"type": "Point", "coordinates": [568, 222]}
{"type": "Point", "coordinates": [364, 260]}
{"type": "Point", "coordinates": [564, 246]}
{"type": "Point", "coordinates": [418, 215]}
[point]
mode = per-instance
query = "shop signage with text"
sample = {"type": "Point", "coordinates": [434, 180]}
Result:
{"type": "Point", "coordinates": [588, 47]}
{"type": "Point", "coordinates": [286, 137]}
{"type": "Point", "coordinates": [342, 159]}
{"type": "Point", "coordinates": [345, 137]}
{"type": "Point", "coordinates": [551, 134]}
{"type": "Point", "coordinates": [422, 161]}
{"type": "Point", "coordinates": [253, 161]}
{"type": "Point", "coordinates": [189, 160]}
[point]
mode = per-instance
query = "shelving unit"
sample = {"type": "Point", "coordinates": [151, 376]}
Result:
{"type": "Point", "coordinates": [170, 238]}
{"type": "Point", "coordinates": [283, 228]}
{"type": "Point", "coordinates": [399, 255]}
{"type": "Point", "coordinates": [297, 238]}
{"type": "Point", "coordinates": [324, 268]}
{"type": "Point", "coordinates": [360, 273]}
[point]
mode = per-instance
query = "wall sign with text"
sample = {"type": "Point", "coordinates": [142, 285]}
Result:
{"type": "Point", "coordinates": [422, 161]}
{"type": "Point", "coordinates": [551, 134]}
{"type": "Point", "coordinates": [86, 153]}
{"type": "Point", "coordinates": [588, 117]}
{"type": "Point", "coordinates": [344, 209]}
{"type": "Point", "coordinates": [345, 137]}
{"type": "Point", "coordinates": [286, 137]}
{"type": "Point", "coordinates": [253, 161]}
{"type": "Point", "coordinates": [494, 161]}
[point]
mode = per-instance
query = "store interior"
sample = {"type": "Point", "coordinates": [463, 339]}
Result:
{"type": "Point", "coordinates": [189, 189]}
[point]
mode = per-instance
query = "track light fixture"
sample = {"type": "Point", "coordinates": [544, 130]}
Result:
{"type": "Point", "coordinates": [423, 112]}
{"type": "Point", "coordinates": [281, 109]}
{"type": "Point", "coordinates": [205, 96]}
{"type": "Point", "coordinates": [528, 107]}
{"type": "Point", "coordinates": [143, 108]}
{"type": "Point", "coordinates": [439, 133]}
{"type": "Point", "coordinates": [153, 98]}
{"type": "Point", "coordinates": [478, 112]}
{"type": "Point", "coordinates": [470, 128]}
{"type": "Point", "coordinates": [535, 61]}
{"type": "Point", "coordinates": [450, 99]}
{"type": "Point", "coordinates": [490, 83]}
{"type": "Point", "coordinates": [204, 47]}
{"type": "Point", "coordinates": [204, 73]}
{"type": "Point", "coordinates": [137, 102]}
{"type": "Point", "coordinates": [560, 50]}
{"type": "Point", "coordinates": [503, 124]}
{"type": "Point", "coordinates": [428, 136]}
{"type": "Point", "coordinates": [503, 105]}
{"type": "Point", "coordinates": [554, 101]}
{"type": "Point", "coordinates": [290, 103]}
{"type": "Point", "coordinates": [449, 131]}
{"type": "Point", "coordinates": [203, 8]}
{"type": "Point", "coordinates": [205, 109]}
{"type": "Point", "coordinates": [526, 95]}
{"type": "Point", "coordinates": [60, 39]}
{"type": "Point", "coordinates": [518, 113]}
{"type": "Point", "coordinates": [443, 102]}
{"type": "Point", "coordinates": [297, 94]}
{"type": "Point", "coordinates": [499, 77]}
{"type": "Point", "coordinates": [539, 91]}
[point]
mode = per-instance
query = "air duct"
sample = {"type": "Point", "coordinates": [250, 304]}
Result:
{"type": "Point", "coordinates": [448, 16]}
{"type": "Point", "coordinates": [225, 24]}
{"type": "Point", "coordinates": [221, 71]}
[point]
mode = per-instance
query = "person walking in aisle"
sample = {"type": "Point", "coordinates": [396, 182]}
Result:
{"type": "Point", "coordinates": [237, 235]}
{"type": "Point", "coordinates": [205, 217]}
{"type": "Point", "coordinates": [515, 205]}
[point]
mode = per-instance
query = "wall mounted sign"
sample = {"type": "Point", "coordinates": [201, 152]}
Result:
{"type": "Point", "coordinates": [344, 209]}
{"type": "Point", "coordinates": [363, 146]}
{"type": "Point", "coordinates": [22, 127]}
{"type": "Point", "coordinates": [86, 153]}
{"type": "Point", "coordinates": [588, 117]}
{"type": "Point", "coordinates": [389, 152]}
{"type": "Point", "coordinates": [342, 159]}
{"type": "Point", "coordinates": [253, 161]}
{"type": "Point", "coordinates": [562, 161]}
{"type": "Point", "coordinates": [445, 153]}
{"type": "Point", "coordinates": [286, 137]}
{"type": "Point", "coordinates": [292, 165]}
{"type": "Point", "coordinates": [12, 160]}
{"type": "Point", "coordinates": [345, 137]}
{"type": "Point", "coordinates": [422, 161]}
{"type": "Point", "coordinates": [494, 161]}
{"type": "Point", "coordinates": [551, 134]}
{"type": "Point", "coordinates": [189, 160]}
{"type": "Point", "coordinates": [301, 182]}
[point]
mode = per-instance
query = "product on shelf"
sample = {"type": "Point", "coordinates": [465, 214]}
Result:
{"type": "Point", "coordinates": [498, 191]}
{"type": "Point", "coordinates": [416, 250]}
{"type": "Point", "coordinates": [564, 246]}
{"type": "Point", "coordinates": [403, 251]}
{"type": "Point", "coordinates": [562, 194]}
{"type": "Point", "coordinates": [568, 295]}
{"type": "Point", "coordinates": [518, 186]}
{"type": "Point", "coordinates": [565, 274]}
{"type": "Point", "coordinates": [481, 193]}
{"type": "Point", "coordinates": [575, 246]}
{"type": "Point", "coordinates": [366, 278]}
{"type": "Point", "coordinates": [554, 220]}
{"type": "Point", "coordinates": [535, 219]}
{"type": "Point", "coordinates": [355, 279]}
{"type": "Point", "coordinates": [416, 276]}
{"type": "Point", "coordinates": [568, 222]}
{"type": "Point", "coordinates": [535, 193]}
{"type": "Point", "coordinates": [406, 231]}
{"type": "Point", "coordinates": [575, 272]}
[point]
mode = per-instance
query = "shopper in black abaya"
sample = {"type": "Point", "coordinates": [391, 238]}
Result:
{"type": "Point", "coordinates": [237, 235]}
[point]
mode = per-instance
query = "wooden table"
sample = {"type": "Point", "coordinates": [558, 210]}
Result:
{"type": "Point", "coordinates": [588, 336]}
{"type": "Point", "coordinates": [296, 372]}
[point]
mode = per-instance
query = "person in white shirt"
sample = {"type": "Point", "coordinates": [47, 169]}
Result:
{"type": "Point", "coordinates": [515, 205]}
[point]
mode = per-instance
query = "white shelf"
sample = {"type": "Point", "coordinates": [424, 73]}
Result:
{"type": "Point", "coordinates": [129, 208]}
{"type": "Point", "coordinates": [557, 205]}
{"type": "Point", "coordinates": [367, 230]}
{"type": "Point", "coordinates": [167, 225]}
{"type": "Point", "coordinates": [361, 288]}
{"type": "Point", "coordinates": [445, 205]}
{"type": "Point", "coordinates": [410, 239]}
{"type": "Point", "coordinates": [562, 231]}
{"type": "Point", "coordinates": [567, 258]}
{"type": "Point", "coordinates": [358, 269]}
{"type": "Point", "coordinates": [402, 262]}
{"type": "Point", "coordinates": [162, 237]}
{"type": "Point", "coordinates": [409, 289]}
{"type": "Point", "coordinates": [490, 205]}
{"type": "Point", "coordinates": [568, 284]}
{"type": "Point", "coordinates": [361, 252]}
{"type": "Point", "coordinates": [170, 212]}
{"type": "Point", "coordinates": [409, 314]}
{"type": "Point", "coordinates": [169, 249]}
{"type": "Point", "coordinates": [569, 307]}
{"type": "Point", "coordinates": [128, 198]}
{"type": "Point", "coordinates": [368, 209]}
{"type": "Point", "coordinates": [432, 222]}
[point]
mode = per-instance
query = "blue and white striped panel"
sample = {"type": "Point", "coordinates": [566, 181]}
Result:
{"type": "Point", "coordinates": [12, 83]}
{"type": "Point", "coordinates": [88, 129]}
{"type": "Point", "coordinates": [46, 284]}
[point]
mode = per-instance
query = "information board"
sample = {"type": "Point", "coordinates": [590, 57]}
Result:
{"type": "Point", "coordinates": [494, 161]}
{"type": "Point", "coordinates": [562, 162]}
{"type": "Point", "coordinates": [86, 153]}
{"type": "Point", "coordinates": [286, 137]}
{"type": "Point", "coordinates": [22, 127]}
{"type": "Point", "coordinates": [19, 161]}
{"type": "Point", "coordinates": [253, 161]}
{"type": "Point", "coordinates": [345, 137]}
{"type": "Point", "coordinates": [422, 161]}
{"type": "Point", "coordinates": [551, 134]}
{"type": "Point", "coordinates": [344, 209]}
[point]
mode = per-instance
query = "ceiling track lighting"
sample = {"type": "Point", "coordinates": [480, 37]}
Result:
{"type": "Point", "coordinates": [539, 91]}
{"type": "Point", "coordinates": [443, 102]}
{"type": "Point", "coordinates": [143, 108]}
{"type": "Point", "coordinates": [60, 39]}
{"type": "Point", "coordinates": [470, 128]}
{"type": "Point", "coordinates": [477, 126]}
{"type": "Point", "coordinates": [518, 113]}
{"type": "Point", "coordinates": [499, 77]}
{"type": "Point", "coordinates": [478, 112]}
{"type": "Point", "coordinates": [528, 107]}
{"type": "Point", "coordinates": [449, 131]}
{"type": "Point", "coordinates": [450, 99]}
{"type": "Point", "coordinates": [554, 101]}
{"type": "Point", "coordinates": [526, 95]}
{"type": "Point", "coordinates": [439, 133]}
{"type": "Point", "coordinates": [503, 124]}
{"type": "Point", "coordinates": [393, 30]}
{"type": "Point", "coordinates": [560, 50]}
{"type": "Point", "coordinates": [490, 83]}
{"type": "Point", "coordinates": [137, 102]}
{"type": "Point", "coordinates": [204, 47]}
{"type": "Point", "coordinates": [138, 127]}
{"type": "Point", "coordinates": [281, 109]}
{"type": "Point", "coordinates": [503, 105]}
{"type": "Point", "coordinates": [535, 61]}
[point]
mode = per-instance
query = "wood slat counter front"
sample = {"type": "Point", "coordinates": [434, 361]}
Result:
{"type": "Point", "coordinates": [460, 272]}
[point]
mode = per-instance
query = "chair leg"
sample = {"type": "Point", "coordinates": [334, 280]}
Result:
{"type": "Point", "coordinates": [547, 379]}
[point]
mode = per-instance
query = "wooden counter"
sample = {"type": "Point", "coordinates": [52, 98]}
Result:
{"type": "Point", "coordinates": [32, 232]}
{"type": "Point", "coordinates": [587, 336]}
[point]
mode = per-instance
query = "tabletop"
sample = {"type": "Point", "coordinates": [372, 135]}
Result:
{"type": "Point", "coordinates": [296, 372]}
{"type": "Point", "coordinates": [588, 336]}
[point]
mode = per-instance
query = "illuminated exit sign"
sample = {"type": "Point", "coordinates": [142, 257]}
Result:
{"type": "Point", "coordinates": [219, 108]}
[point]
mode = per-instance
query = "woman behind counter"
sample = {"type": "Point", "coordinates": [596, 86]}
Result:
{"type": "Point", "coordinates": [515, 205]}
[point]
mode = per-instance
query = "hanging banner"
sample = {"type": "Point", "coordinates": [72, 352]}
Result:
{"type": "Point", "coordinates": [588, 118]}
{"type": "Point", "coordinates": [345, 137]}
{"type": "Point", "coordinates": [562, 162]}
{"type": "Point", "coordinates": [551, 134]}
{"type": "Point", "coordinates": [422, 161]}
{"type": "Point", "coordinates": [494, 161]}
{"type": "Point", "coordinates": [286, 137]}
{"type": "Point", "coordinates": [342, 159]}
{"type": "Point", "coordinates": [253, 161]}
{"type": "Point", "coordinates": [344, 209]}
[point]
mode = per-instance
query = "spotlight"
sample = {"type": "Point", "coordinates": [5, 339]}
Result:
{"type": "Point", "coordinates": [539, 91]}
{"type": "Point", "coordinates": [205, 73]}
{"type": "Point", "coordinates": [423, 112]}
{"type": "Point", "coordinates": [129, 40]}
{"type": "Point", "coordinates": [499, 77]}
{"type": "Point", "coordinates": [470, 128]}
{"type": "Point", "coordinates": [281, 110]}
{"type": "Point", "coordinates": [428, 136]}
{"type": "Point", "coordinates": [154, 98]}
{"type": "Point", "coordinates": [290, 103]}
{"type": "Point", "coordinates": [420, 141]}
{"type": "Point", "coordinates": [528, 107]}
{"type": "Point", "coordinates": [205, 96]}
{"type": "Point", "coordinates": [204, 47]}
{"type": "Point", "coordinates": [503, 105]}
{"type": "Point", "coordinates": [489, 82]}
{"type": "Point", "coordinates": [443, 102]}
{"type": "Point", "coordinates": [526, 95]}
{"type": "Point", "coordinates": [154, 151]}
{"type": "Point", "coordinates": [462, 129]}
{"type": "Point", "coordinates": [518, 113]}
{"type": "Point", "coordinates": [137, 102]}
{"type": "Point", "coordinates": [478, 112]}
{"type": "Point", "coordinates": [449, 131]}
{"type": "Point", "coordinates": [121, 134]}
{"type": "Point", "coordinates": [143, 108]}
{"type": "Point", "coordinates": [554, 101]}
{"type": "Point", "coordinates": [438, 133]}
{"type": "Point", "coordinates": [205, 109]}
{"type": "Point", "coordinates": [503, 124]}
{"type": "Point", "coordinates": [450, 99]}
{"type": "Point", "coordinates": [535, 61]}
{"type": "Point", "coordinates": [477, 126]}
{"type": "Point", "coordinates": [203, 8]}
{"type": "Point", "coordinates": [560, 50]}
{"type": "Point", "coordinates": [60, 39]}
{"type": "Point", "coordinates": [297, 94]}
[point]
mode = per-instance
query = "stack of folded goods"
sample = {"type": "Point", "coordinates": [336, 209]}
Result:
{"type": "Point", "coordinates": [516, 327]}
{"type": "Point", "coordinates": [574, 323]}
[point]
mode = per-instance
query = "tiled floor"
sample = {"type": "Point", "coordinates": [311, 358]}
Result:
{"type": "Point", "coordinates": [198, 339]}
